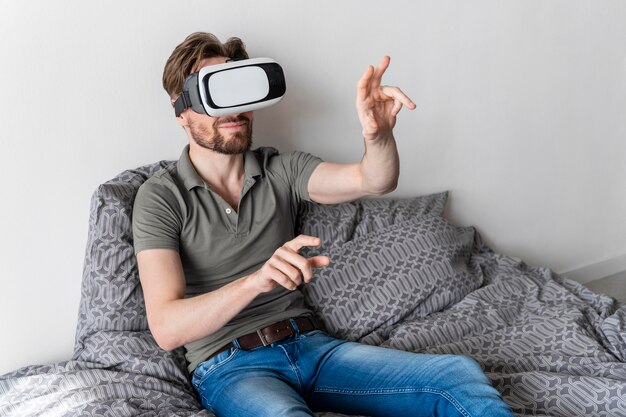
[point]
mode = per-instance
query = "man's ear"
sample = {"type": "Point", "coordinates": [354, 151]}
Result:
{"type": "Point", "coordinates": [182, 119]}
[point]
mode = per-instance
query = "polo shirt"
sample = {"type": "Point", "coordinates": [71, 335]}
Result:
{"type": "Point", "coordinates": [175, 209]}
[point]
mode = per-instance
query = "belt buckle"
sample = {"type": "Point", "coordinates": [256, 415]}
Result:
{"type": "Point", "coordinates": [262, 337]}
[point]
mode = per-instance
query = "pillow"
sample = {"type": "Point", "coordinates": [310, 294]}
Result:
{"type": "Point", "coordinates": [332, 223]}
{"type": "Point", "coordinates": [336, 224]}
{"type": "Point", "coordinates": [378, 214]}
{"type": "Point", "coordinates": [410, 269]}
{"type": "Point", "coordinates": [112, 328]}
{"type": "Point", "coordinates": [111, 297]}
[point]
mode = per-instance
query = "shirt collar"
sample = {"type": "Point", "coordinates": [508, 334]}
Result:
{"type": "Point", "coordinates": [192, 179]}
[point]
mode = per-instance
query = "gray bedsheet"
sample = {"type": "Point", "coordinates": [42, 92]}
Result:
{"type": "Point", "coordinates": [402, 277]}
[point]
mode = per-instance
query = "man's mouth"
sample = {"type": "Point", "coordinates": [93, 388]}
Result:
{"type": "Point", "coordinates": [233, 123]}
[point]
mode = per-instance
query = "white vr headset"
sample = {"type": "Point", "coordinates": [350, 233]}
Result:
{"type": "Point", "coordinates": [233, 87]}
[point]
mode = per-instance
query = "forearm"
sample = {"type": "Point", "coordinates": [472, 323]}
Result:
{"type": "Point", "coordinates": [175, 320]}
{"type": "Point", "coordinates": [377, 107]}
{"type": "Point", "coordinates": [376, 174]}
{"type": "Point", "coordinates": [184, 320]}
{"type": "Point", "coordinates": [380, 166]}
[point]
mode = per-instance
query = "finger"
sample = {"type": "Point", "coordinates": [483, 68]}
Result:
{"type": "Point", "coordinates": [319, 261]}
{"type": "Point", "coordinates": [284, 281]}
{"type": "Point", "coordinates": [363, 86]}
{"type": "Point", "coordinates": [302, 240]}
{"type": "Point", "coordinates": [286, 269]}
{"type": "Point", "coordinates": [378, 74]}
{"type": "Point", "coordinates": [281, 279]}
{"type": "Point", "coordinates": [397, 94]}
{"type": "Point", "coordinates": [296, 260]}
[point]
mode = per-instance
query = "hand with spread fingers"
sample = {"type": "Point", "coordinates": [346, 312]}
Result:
{"type": "Point", "coordinates": [378, 105]}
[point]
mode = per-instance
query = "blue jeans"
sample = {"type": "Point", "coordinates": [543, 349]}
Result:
{"type": "Point", "coordinates": [313, 372]}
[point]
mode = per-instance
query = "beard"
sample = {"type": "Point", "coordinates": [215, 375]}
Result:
{"type": "Point", "coordinates": [239, 142]}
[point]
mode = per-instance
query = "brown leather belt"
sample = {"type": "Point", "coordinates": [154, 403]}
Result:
{"type": "Point", "coordinates": [272, 334]}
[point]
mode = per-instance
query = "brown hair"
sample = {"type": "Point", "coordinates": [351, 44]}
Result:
{"type": "Point", "coordinates": [196, 47]}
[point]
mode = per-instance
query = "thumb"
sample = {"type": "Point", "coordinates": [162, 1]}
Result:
{"type": "Point", "coordinates": [319, 261]}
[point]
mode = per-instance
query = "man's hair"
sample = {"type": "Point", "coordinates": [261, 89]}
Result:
{"type": "Point", "coordinates": [191, 51]}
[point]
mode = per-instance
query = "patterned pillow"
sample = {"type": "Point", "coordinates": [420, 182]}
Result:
{"type": "Point", "coordinates": [410, 269]}
{"type": "Point", "coordinates": [112, 328]}
{"type": "Point", "coordinates": [111, 297]}
{"type": "Point", "coordinates": [332, 223]}
{"type": "Point", "coordinates": [376, 214]}
{"type": "Point", "coordinates": [336, 224]}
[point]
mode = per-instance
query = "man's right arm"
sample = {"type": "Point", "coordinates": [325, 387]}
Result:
{"type": "Point", "coordinates": [175, 320]}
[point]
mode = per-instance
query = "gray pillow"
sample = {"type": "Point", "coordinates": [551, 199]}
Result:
{"type": "Point", "coordinates": [112, 327]}
{"type": "Point", "coordinates": [332, 223]}
{"type": "Point", "coordinates": [380, 213]}
{"type": "Point", "coordinates": [336, 224]}
{"type": "Point", "coordinates": [409, 269]}
{"type": "Point", "coordinates": [111, 297]}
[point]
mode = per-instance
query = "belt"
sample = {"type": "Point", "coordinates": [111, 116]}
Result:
{"type": "Point", "coordinates": [272, 334]}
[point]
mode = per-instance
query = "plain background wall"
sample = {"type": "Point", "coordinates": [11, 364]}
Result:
{"type": "Point", "coordinates": [521, 115]}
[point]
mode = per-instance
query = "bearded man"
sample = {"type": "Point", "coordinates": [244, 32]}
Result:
{"type": "Point", "coordinates": [220, 267]}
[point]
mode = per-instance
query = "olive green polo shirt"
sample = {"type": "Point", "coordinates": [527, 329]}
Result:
{"type": "Point", "coordinates": [175, 209]}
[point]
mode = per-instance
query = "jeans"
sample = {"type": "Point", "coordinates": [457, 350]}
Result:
{"type": "Point", "coordinates": [313, 372]}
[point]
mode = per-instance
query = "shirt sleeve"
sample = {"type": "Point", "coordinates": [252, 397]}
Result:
{"type": "Point", "coordinates": [298, 167]}
{"type": "Point", "coordinates": [157, 220]}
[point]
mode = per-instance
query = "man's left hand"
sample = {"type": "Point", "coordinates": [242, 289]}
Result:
{"type": "Point", "coordinates": [377, 105]}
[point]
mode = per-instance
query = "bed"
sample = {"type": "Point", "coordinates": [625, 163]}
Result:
{"type": "Point", "coordinates": [402, 276]}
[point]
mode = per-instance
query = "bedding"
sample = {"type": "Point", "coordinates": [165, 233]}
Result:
{"type": "Point", "coordinates": [401, 276]}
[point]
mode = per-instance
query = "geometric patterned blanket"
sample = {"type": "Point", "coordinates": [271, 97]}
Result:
{"type": "Point", "coordinates": [548, 344]}
{"type": "Point", "coordinates": [401, 276]}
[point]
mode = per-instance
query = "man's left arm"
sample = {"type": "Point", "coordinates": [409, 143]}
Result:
{"type": "Point", "coordinates": [377, 173]}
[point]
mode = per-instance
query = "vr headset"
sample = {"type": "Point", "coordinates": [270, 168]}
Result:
{"type": "Point", "coordinates": [232, 87]}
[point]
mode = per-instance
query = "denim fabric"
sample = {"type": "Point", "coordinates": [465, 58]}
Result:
{"type": "Point", "coordinates": [314, 372]}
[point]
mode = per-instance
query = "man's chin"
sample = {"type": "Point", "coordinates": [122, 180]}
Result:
{"type": "Point", "coordinates": [231, 150]}
{"type": "Point", "coordinates": [233, 146]}
{"type": "Point", "coordinates": [237, 143]}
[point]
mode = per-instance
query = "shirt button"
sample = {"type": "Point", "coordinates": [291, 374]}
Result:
{"type": "Point", "coordinates": [228, 211]}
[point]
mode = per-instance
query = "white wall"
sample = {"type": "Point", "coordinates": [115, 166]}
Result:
{"type": "Point", "coordinates": [521, 115]}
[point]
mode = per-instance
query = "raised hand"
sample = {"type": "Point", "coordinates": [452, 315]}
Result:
{"type": "Point", "coordinates": [378, 105]}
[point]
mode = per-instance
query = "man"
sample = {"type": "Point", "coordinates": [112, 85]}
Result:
{"type": "Point", "coordinates": [220, 267]}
